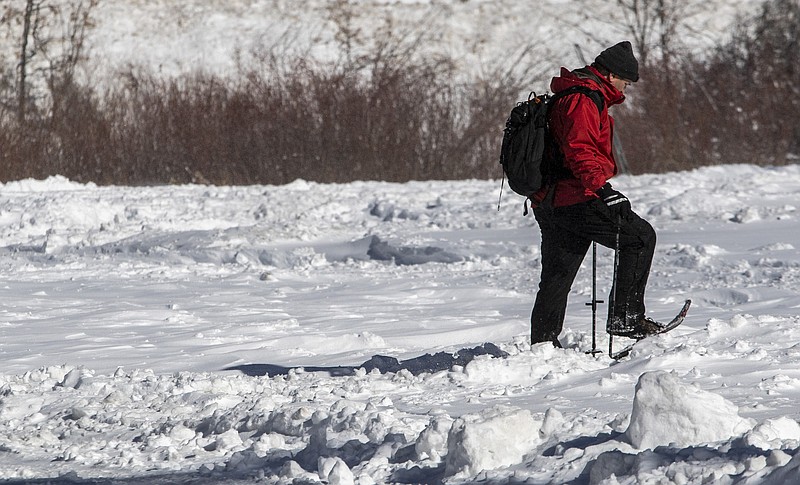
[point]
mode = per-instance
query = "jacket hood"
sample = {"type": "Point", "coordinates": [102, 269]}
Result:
{"type": "Point", "coordinates": [591, 78]}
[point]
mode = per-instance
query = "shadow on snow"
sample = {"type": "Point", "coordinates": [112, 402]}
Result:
{"type": "Point", "coordinates": [428, 363]}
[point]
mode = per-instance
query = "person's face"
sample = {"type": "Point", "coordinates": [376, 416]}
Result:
{"type": "Point", "coordinates": [618, 82]}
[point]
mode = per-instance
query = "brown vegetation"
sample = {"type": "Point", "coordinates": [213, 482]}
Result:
{"type": "Point", "coordinates": [740, 105]}
{"type": "Point", "coordinates": [387, 115]}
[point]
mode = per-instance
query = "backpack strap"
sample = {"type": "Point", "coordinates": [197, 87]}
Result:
{"type": "Point", "coordinates": [593, 94]}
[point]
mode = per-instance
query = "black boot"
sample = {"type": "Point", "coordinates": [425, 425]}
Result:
{"type": "Point", "coordinates": [635, 328]}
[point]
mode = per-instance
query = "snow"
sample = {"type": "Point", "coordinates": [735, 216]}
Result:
{"type": "Point", "coordinates": [667, 412]}
{"type": "Point", "coordinates": [183, 334]}
{"type": "Point", "coordinates": [480, 441]}
{"type": "Point", "coordinates": [172, 38]}
{"type": "Point", "coordinates": [200, 334]}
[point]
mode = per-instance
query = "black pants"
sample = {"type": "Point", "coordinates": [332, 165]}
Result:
{"type": "Point", "coordinates": [567, 233]}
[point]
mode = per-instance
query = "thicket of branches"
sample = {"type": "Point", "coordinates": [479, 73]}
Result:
{"type": "Point", "coordinates": [739, 105]}
{"type": "Point", "coordinates": [389, 114]}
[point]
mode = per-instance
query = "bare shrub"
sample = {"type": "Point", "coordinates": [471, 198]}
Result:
{"type": "Point", "coordinates": [390, 112]}
{"type": "Point", "coordinates": [387, 116]}
{"type": "Point", "coordinates": [757, 80]}
{"type": "Point", "coordinates": [737, 106]}
{"type": "Point", "coordinates": [383, 111]}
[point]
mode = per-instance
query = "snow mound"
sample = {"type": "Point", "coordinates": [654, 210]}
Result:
{"type": "Point", "coordinates": [773, 432]}
{"type": "Point", "coordinates": [497, 437]}
{"type": "Point", "coordinates": [668, 412]}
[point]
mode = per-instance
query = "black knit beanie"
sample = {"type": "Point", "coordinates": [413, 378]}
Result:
{"type": "Point", "coordinates": [619, 59]}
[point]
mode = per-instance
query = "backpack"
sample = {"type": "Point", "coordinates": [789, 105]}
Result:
{"type": "Point", "coordinates": [528, 155]}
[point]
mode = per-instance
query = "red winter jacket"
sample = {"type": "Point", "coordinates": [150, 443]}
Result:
{"type": "Point", "coordinates": [585, 136]}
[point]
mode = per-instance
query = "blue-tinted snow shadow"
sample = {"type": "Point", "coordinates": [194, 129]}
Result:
{"type": "Point", "coordinates": [428, 363]}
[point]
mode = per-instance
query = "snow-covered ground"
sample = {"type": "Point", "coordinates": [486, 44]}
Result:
{"type": "Point", "coordinates": [159, 335]}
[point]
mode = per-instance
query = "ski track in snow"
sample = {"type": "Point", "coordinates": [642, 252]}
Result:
{"type": "Point", "coordinates": [123, 308]}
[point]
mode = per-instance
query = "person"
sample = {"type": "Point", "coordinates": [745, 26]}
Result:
{"type": "Point", "coordinates": [581, 206]}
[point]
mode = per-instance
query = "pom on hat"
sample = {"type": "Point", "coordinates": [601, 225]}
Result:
{"type": "Point", "coordinates": [619, 59]}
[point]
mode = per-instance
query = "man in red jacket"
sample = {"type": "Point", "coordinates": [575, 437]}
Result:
{"type": "Point", "coordinates": [581, 206]}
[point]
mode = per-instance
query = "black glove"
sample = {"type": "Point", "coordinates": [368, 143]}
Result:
{"type": "Point", "coordinates": [617, 203]}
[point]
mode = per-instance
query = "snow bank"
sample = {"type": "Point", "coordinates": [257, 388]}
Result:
{"type": "Point", "coordinates": [669, 413]}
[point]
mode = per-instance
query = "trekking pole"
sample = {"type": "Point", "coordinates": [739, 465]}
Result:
{"type": "Point", "coordinates": [613, 297]}
{"type": "Point", "coordinates": [594, 301]}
